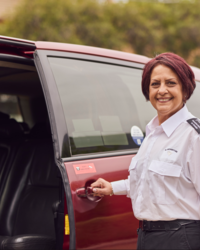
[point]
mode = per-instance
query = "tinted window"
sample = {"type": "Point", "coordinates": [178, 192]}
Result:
{"type": "Point", "coordinates": [101, 103]}
{"type": "Point", "coordinates": [9, 105]}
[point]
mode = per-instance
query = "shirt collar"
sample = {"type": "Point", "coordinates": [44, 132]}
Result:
{"type": "Point", "coordinates": [171, 123]}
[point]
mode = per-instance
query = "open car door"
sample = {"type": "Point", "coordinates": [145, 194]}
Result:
{"type": "Point", "coordinates": [91, 103]}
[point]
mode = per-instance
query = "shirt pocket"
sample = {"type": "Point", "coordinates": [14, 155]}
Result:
{"type": "Point", "coordinates": [169, 156]}
{"type": "Point", "coordinates": [163, 182]}
{"type": "Point", "coordinates": [133, 177]}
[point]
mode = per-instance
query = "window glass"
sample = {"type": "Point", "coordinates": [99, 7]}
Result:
{"type": "Point", "coordinates": [101, 103]}
{"type": "Point", "coordinates": [193, 103]}
{"type": "Point", "coordinates": [9, 105]}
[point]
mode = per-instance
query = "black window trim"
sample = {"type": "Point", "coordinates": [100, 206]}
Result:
{"type": "Point", "coordinates": [109, 62]}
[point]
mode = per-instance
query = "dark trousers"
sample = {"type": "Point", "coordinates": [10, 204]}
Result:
{"type": "Point", "coordinates": [187, 237]}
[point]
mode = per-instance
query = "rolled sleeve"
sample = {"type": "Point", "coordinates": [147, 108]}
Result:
{"type": "Point", "coordinates": [121, 187]}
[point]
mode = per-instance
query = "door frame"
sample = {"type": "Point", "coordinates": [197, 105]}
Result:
{"type": "Point", "coordinates": [58, 127]}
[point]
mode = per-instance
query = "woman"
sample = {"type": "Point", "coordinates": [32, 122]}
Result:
{"type": "Point", "coordinates": [164, 176]}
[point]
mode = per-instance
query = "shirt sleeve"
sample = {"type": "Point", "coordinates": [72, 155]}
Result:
{"type": "Point", "coordinates": [121, 187]}
{"type": "Point", "coordinates": [194, 164]}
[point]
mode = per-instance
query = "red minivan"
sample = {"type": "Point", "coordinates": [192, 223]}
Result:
{"type": "Point", "coordinates": [66, 114]}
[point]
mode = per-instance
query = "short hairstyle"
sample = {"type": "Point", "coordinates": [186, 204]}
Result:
{"type": "Point", "coordinates": [175, 63]}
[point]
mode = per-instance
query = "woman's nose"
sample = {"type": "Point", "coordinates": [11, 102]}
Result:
{"type": "Point", "coordinates": [162, 89]}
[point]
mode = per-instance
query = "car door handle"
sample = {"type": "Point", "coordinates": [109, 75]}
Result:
{"type": "Point", "coordinates": [83, 192]}
{"type": "Point", "coordinates": [87, 192]}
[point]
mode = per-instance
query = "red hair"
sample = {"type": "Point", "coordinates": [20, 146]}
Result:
{"type": "Point", "coordinates": [175, 63]}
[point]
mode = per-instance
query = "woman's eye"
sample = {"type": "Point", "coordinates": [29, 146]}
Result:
{"type": "Point", "coordinates": [171, 83]}
{"type": "Point", "coordinates": [154, 84]}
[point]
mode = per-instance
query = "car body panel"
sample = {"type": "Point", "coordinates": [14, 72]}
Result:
{"type": "Point", "coordinates": [92, 51]}
{"type": "Point", "coordinates": [109, 221]}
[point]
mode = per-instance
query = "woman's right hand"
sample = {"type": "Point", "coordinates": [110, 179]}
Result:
{"type": "Point", "coordinates": [102, 187]}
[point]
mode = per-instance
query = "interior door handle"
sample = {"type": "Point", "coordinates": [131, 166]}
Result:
{"type": "Point", "coordinates": [87, 192]}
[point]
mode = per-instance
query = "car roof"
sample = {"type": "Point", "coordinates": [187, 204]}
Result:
{"type": "Point", "coordinates": [66, 47]}
{"type": "Point", "coordinates": [30, 46]}
{"type": "Point", "coordinates": [89, 50]}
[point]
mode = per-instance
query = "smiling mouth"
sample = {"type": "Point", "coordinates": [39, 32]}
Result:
{"type": "Point", "coordinates": [163, 100]}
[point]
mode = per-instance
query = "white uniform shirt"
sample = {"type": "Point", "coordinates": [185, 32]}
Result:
{"type": "Point", "coordinates": [164, 176]}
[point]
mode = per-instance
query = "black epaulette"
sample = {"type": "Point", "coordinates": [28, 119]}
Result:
{"type": "Point", "coordinates": [195, 123]}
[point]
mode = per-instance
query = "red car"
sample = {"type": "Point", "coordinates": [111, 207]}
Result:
{"type": "Point", "coordinates": [67, 116]}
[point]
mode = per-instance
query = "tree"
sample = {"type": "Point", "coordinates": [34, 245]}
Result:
{"type": "Point", "coordinates": [69, 21]}
{"type": "Point", "coordinates": [142, 27]}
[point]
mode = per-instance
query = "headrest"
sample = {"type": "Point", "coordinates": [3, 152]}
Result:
{"type": "Point", "coordinates": [10, 129]}
{"type": "Point", "coordinates": [40, 130]}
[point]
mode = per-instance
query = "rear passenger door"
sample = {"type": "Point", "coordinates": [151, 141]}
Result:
{"type": "Point", "coordinates": [97, 113]}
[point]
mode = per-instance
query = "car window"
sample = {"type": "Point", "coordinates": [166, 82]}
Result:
{"type": "Point", "coordinates": [193, 104]}
{"type": "Point", "coordinates": [101, 103]}
{"type": "Point", "coordinates": [9, 105]}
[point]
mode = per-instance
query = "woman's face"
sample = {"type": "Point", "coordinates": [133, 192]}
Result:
{"type": "Point", "coordinates": [165, 92]}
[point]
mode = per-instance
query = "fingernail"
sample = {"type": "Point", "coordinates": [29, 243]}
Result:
{"type": "Point", "coordinates": [95, 190]}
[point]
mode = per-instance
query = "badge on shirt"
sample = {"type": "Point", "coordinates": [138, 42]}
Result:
{"type": "Point", "coordinates": [169, 154]}
{"type": "Point", "coordinates": [137, 135]}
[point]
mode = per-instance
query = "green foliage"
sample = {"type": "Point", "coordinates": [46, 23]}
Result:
{"type": "Point", "coordinates": [71, 21]}
{"type": "Point", "coordinates": [142, 27]}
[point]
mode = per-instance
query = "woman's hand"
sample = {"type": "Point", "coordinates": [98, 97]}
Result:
{"type": "Point", "coordinates": [102, 187]}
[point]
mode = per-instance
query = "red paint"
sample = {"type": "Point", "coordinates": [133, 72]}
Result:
{"type": "Point", "coordinates": [16, 39]}
{"type": "Point", "coordinates": [84, 168]}
{"type": "Point", "coordinates": [82, 50]}
{"type": "Point", "coordinates": [28, 52]}
{"type": "Point", "coordinates": [92, 51]}
{"type": "Point", "coordinates": [109, 223]}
